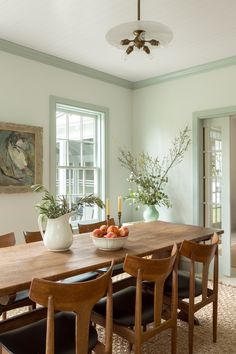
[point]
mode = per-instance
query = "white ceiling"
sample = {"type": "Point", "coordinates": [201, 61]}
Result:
{"type": "Point", "coordinates": [204, 31]}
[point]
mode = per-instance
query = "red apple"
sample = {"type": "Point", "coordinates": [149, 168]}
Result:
{"type": "Point", "coordinates": [97, 233]}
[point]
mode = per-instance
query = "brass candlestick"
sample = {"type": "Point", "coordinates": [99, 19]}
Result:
{"type": "Point", "coordinates": [119, 219]}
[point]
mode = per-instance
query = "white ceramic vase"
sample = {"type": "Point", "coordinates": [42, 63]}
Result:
{"type": "Point", "coordinates": [58, 235]}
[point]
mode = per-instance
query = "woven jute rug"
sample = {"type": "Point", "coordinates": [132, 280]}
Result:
{"type": "Point", "coordinates": [226, 342]}
{"type": "Point", "coordinates": [233, 255]}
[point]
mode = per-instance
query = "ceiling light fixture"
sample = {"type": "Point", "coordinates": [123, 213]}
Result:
{"type": "Point", "coordinates": [139, 35]}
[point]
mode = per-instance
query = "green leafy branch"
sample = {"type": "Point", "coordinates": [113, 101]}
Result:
{"type": "Point", "coordinates": [53, 207]}
{"type": "Point", "coordinates": [150, 175]}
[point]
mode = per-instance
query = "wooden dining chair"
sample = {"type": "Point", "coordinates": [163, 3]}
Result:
{"type": "Point", "coordinates": [7, 240]}
{"type": "Point", "coordinates": [190, 286]}
{"type": "Point", "coordinates": [32, 236]}
{"type": "Point", "coordinates": [68, 331]}
{"type": "Point", "coordinates": [84, 228]}
{"type": "Point", "coordinates": [134, 308]}
{"type": "Point", "coordinates": [19, 299]}
{"type": "Point", "coordinates": [35, 236]}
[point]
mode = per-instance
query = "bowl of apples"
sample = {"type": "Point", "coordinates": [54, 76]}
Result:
{"type": "Point", "coordinates": [110, 238]}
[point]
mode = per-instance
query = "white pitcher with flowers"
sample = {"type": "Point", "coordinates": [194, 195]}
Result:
{"type": "Point", "coordinates": [56, 213]}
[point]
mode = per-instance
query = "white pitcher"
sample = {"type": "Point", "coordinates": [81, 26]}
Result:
{"type": "Point", "coordinates": [58, 236]}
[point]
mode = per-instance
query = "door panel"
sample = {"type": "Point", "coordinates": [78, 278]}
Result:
{"type": "Point", "coordinates": [216, 183]}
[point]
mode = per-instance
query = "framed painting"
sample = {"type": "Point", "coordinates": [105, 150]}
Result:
{"type": "Point", "coordinates": [21, 154]}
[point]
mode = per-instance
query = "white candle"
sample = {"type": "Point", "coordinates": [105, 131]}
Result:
{"type": "Point", "coordinates": [119, 204]}
{"type": "Point", "coordinates": [107, 206]}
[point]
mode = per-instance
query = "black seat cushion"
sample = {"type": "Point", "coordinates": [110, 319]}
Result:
{"type": "Point", "coordinates": [21, 295]}
{"type": "Point", "coordinates": [31, 339]}
{"type": "Point", "coordinates": [80, 278]}
{"type": "Point", "coordinates": [124, 307]}
{"type": "Point", "coordinates": [117, 269]}
{"type": "Point", "coordinates": [183, 285]}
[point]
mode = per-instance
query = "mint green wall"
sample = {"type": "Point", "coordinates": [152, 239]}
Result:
{"type": "Point", "coordinates": [143, 119]}
{"type": "Point", "coordinates": [25, 89]}
{"type": "Point", "coordinates": [161, 110]}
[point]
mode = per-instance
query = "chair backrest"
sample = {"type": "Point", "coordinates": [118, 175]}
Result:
{"type": "Point", "coordinates": [7, 240]}
{"type": "Point", "coordinates": [201, 253]}
{"type": "Point", "coordinates": [157, 271]}
{"type": "Point", "coordinates": [83, 228]}
{"type": "Point", "coordinates": [32, 236]}
{"type": "Point", "coordinates": [79, 298]}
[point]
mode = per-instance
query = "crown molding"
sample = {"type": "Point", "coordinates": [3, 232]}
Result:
{"type": "Point", "coordinates": [48, 59]}
{"type": "Point", "coordinates": [198, 69]}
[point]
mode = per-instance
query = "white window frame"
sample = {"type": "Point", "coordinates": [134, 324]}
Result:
{"type": "Point", "coordinates": [102, 113]}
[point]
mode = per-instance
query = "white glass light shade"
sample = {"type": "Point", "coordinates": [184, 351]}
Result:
{"type": "Point", "coordinates": [153, 30]}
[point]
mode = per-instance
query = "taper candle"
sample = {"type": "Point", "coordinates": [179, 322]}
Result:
{"type": "Point", "coordinates": [119, 204]}
{"type": "Point", "coordinates": [107, 206]}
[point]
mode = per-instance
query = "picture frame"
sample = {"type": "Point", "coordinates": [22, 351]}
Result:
{"type": "Point", "coordinates": [21, 157]}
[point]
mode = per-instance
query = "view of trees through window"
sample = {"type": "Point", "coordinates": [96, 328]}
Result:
{"type": "Point", "coordinates": [78, 155]}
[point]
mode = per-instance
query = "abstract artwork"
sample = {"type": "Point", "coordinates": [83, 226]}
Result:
{"type": "Point", "coordinates": [20, 157]}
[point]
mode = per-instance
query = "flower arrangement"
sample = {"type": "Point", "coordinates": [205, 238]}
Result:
{"type": "Point", "coordinates": [150, 175]}
{"type": "Point", "coordinates": [53, 207]}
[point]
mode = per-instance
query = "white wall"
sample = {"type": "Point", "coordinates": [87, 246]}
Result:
{"type": "Point", "coordinates": [25, 87]}
{"type": "Point", "coordinates": [161, 110]}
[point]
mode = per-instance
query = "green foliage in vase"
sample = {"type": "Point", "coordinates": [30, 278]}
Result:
{"type": "Point", "coordinates": [150, 174]}
{"type": "Point", "coordinates": [53, 207]}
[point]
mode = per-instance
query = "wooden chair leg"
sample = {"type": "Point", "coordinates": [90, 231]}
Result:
{"type": "Point", "coordinates": [130, 347]}
{"type": "Point", "coordinates": [32, 307]}
{"type": "Point", "coordinates": [137, 346]}
{"type": "Point", "coordinates": [214, 321]}
{"type": "Point", "coordinates": [183, 316]}
{"type": "Point", "coordinates": [137, 336]}
{"type": "Point", "coordinates": [99, 349]}
{"type": "Point", "coordinates": [173, 339]}
{"type": "Point", "coordinates": [3, 350]}
{"type": "Point", "coordinates": [190, 333]}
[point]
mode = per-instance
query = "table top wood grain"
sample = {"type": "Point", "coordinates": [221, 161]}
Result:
{"type": "Point", "coordinates": [21, 263]}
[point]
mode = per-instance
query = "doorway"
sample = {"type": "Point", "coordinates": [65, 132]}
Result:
{"type": "Point", "coordinates": [233, 191]}
{"type": "Point", "coordinates": [212, 172]}
{"type": "Point", "coordinates": [213, 162]}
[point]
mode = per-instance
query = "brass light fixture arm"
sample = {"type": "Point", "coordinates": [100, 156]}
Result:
{"type": "Point", "coordinates": [139, 39]}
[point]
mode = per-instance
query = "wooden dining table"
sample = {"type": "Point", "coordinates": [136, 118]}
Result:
{"type": "Point", "coordinates": [21, 263]}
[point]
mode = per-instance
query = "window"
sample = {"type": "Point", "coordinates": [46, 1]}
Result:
{"type": "Point", "coordinates": [80, 155]}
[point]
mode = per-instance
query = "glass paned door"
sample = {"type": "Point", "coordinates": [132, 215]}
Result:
{"type": "Point", "coordinates": [216, 183]}
{"type": "Point", "coordinates": [212, 176]}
